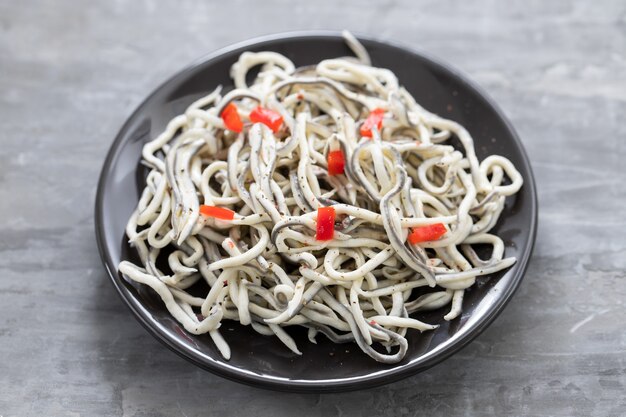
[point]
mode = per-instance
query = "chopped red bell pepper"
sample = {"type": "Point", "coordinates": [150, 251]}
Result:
{"type": "Point", "coordinates": [217, 212]}
{"type": "Point", "coordinates": [336, 162]}
{"type": "Point", "coordinates": [427, 233]}
{"type": "Point", "coordinates": [231, 118]}
{"type": "Point", "coordinates": [325, 223]}
{"type": "Point", "coordinates": [374, 120]}
{"type": "Point", "coordinates": [268, 117]}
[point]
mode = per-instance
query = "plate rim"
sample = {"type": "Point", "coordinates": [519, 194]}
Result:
{"type": "Point", "coordinates": [331, 385]}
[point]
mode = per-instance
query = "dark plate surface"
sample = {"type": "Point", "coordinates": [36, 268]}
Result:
{"type": "Point", "coordinates": [264, 361]}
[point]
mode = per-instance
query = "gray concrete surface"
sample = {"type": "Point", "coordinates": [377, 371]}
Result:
{"type": "Point", "coordinates": [71, 72]}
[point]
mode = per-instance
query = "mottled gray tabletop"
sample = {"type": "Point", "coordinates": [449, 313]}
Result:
{"type": "Point", "coordinates": [71, 72]}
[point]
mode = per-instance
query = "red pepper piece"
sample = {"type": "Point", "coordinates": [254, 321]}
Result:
{"type": "Point", "coordinates": [336, 162]}
{"type": "Point", "coordinates": [231, 118]}
{"type": "Point", "coordinates": [427, 233]}
{"type": "Point", "coordinates": [268, 117]}
{"type": "Point", "coordinates": [217, 212]}
{"type": "Point", "coordinates": [325, 223]}
{"type": "Point", "coordinates": [374, 120]}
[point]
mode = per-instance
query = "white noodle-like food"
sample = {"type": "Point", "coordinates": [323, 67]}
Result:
{"type": "Point", "coordinates": [265, 267]}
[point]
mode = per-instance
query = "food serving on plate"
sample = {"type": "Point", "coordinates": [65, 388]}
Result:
{"type": "Point", "coordinates": [323, 196]}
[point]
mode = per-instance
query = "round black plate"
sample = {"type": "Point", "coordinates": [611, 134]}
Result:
{"type": "Point", "coordinates": [264, 361]}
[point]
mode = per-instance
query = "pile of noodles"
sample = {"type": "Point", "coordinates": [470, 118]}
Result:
{"type": "Point", "coordinates": [265, 268]}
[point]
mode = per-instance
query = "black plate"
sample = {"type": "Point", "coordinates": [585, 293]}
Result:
{"type": "Point", "coordinates": [264, 361]}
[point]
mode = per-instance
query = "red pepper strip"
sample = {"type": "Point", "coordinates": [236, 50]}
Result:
{"type": "Point", "coordinates": [374, 120]}
{"type": "Point", "coordinates": [268, 117]}
{"type": "Point", "coordinates": [217, 212]}
{"type": "Point", "coordinates": [427, 233]}
{"type": "Point", "coordinates": [231, 118]}
{"type": "Point", "coordinates": [336, 162]}
{"type": "Point", "coordinates": [325, 223]}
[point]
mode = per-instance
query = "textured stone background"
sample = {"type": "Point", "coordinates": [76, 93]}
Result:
{"type": "Point", "coordinates": [71, 72]}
